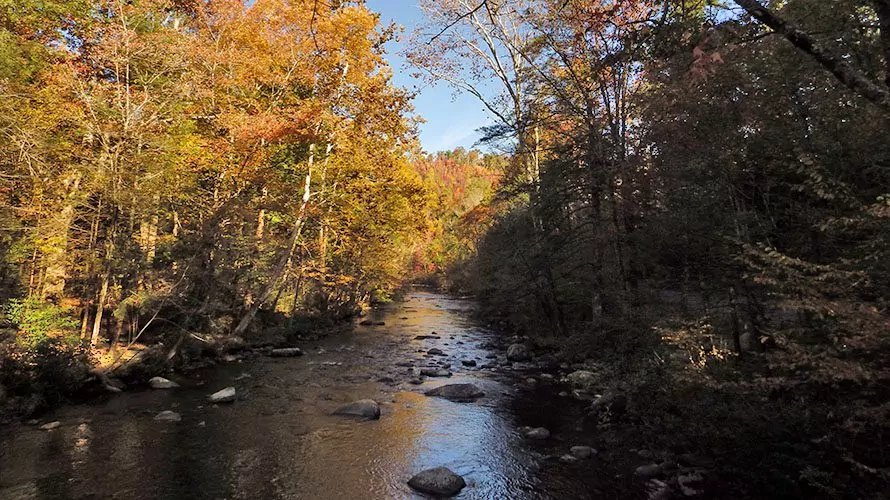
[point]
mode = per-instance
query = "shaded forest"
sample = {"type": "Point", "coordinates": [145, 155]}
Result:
{"type": "Point", "coordinates": [690, 199]}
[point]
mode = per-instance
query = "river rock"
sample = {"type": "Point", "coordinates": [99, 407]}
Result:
{"type": "Point", "coordinates": [226, 395]}
{"type": "Point", "coordinates": [461, 393]}
{"type": "Point", "coordinates": [582, 379]}
{"type": "Point", "coordinates": [364, 408]}
{"type": "Point", "coordinates": [691, 483]}
{"type": "Point", "coordinates": [647, 471]}
{"type": "Point", "coordinates": [366, 322]}
{"type": "Point", "coordinates": [425, 337]}
{"type": "Point", "coordinates": [286, 352]}
{"type": "Point", "coordinates": [2, 394]}
{"type": "Point", "coordinates": [518, 352]}
{"type": "Point", "coordinates": [435, 372]}
{"type": "Point", "coordinates": [435, 352]}
{"type": "Point", "coordinates": [162, 383]}
{"type": "Point", "coordinates": [416, 381]}
{"type": "Point", "coordinates": [440, 481]}
{"type": "Point", "coordinates": [613, 405]}
{"type": "Point", "coordinates": [468, 362]}
{"type": "Point", "coordinates": [168, 416]}
{"type": "Point", "coordinates": [582, 452]}
{"type": "Point", "coordinates": [491, 355]}
{"type": "Point", "coordinates": [535, 432]}
{"type": "Point", "coordinates": [50, 426]}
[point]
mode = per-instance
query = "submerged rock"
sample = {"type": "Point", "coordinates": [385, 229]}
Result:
{"type": "Point", "coordinates": [162, 383]}
{"type": "Point", "coordinates": [226, 395]}
{"type": "Point", "coordinates": [468, 362]}
{"type": "Point", "coordinates": [286, 352]}
{"type": "Point", "coordinates": [425, 337]}
{"type": "Point", "coordinates": [518, 352]}
{"type": "Point", "coordinates": [366, 322]}
{"type": "Point", "coordinates": [461, 393]}
{"type": "Point", "coordinates": [435, 372]}
{"type": "Point", "coordinates": [440, 481]}
{"type": "Point", "coordinates": [435, 352]}
{"type": "Point", "coordinates": [364, 408]}
{"type": "Point", "coordinates": [168, 416]}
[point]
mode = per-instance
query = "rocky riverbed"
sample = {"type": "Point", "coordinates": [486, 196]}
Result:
{"type": "Point", "coordinates": [419, 386]}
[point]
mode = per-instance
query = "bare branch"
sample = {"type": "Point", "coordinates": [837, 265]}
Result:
{"type": "Point", "coordinates": [459, 19]}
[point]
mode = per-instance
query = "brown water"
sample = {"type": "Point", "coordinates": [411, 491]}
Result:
{"type": "Point", "coordinates": [278, 439]}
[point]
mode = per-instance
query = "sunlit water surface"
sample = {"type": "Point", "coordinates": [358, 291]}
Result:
{"type": "Point", "coordinates": [279, 440]}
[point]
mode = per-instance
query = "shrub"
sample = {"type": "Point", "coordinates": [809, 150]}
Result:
{"type": "Point", "coordinates": [39, 321]}
{"type": "Point", "coordinates": [46, 358]}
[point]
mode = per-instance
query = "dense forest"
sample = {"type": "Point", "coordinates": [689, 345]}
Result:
{"type": "Point", "coordinates": [691, 197]}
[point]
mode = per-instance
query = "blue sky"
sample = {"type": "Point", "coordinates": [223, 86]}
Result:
{"type": "Point", "coordinates": [451, 120]}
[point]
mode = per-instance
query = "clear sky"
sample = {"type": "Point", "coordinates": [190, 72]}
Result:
{"type": "Point", "coordinates": [451, 120]}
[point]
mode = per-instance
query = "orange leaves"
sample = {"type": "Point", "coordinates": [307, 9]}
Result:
{"type": "Point", "coordinates": [704, 64]}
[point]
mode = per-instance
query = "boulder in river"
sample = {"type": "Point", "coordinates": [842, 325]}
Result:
{"type": "Point", "coordinates": [226, 395]}
{"type": "Point", "coordinates": [363, 408]}
{"type": "Point", "coordinates": [286, 352]}
{"type": "Point", "coordinates": [535, 432]}
{"type": "Point", "coordinates": [461, 393]}
{"type": "Point", "coordinates": [582, 379]}
{"type": "Point", "coordinates": [468, 362]}
{"type": "Point", "coordinates": [440, 481]}
{"type": "Point", "coordinates": [518, 352]}
{"type": "Point", "coordinates": [435, 351]}
{"type": "Point", "coordinates": [162, 383]}
{"type": "Point", "coordinates": [435, 372]}
{"type": "Point", "coordinates": [366, 322]}
{"type": "Point", "coordinates": [168, 416]}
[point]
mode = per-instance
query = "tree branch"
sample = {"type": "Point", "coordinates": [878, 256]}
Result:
{"type": "Point", "coordinates": [459, 19]}
{"type": "Point", "coordinates": [854, 79]}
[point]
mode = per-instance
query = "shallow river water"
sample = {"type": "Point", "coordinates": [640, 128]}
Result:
{"type": "Point", "coordinates": [279, 440]}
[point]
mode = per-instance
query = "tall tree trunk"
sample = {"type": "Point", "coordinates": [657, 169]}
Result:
{"type": "Point", "coordinates": [284, 257]}
{"type": "Point", "coordinates": [55, 253]}
{"type": "Point", "coordinates": [100, 308]}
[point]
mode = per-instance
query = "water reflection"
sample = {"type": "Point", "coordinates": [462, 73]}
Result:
{"type": "Point", "coordinates": [280, 440]}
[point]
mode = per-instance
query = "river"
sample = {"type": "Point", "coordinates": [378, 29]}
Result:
{"type": "Point", "coordinates": [279, 440]}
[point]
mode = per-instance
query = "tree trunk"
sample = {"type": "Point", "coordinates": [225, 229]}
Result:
{"type": "Point", "coordinates": [100, 307]}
